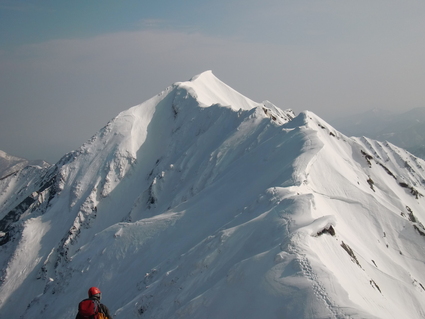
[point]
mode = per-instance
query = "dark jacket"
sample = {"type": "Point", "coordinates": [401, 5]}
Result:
{"type": "Point", "coordinates": [102, 309]}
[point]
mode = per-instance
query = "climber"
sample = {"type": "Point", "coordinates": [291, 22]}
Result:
{"type": "Point", "coordinates": [92, 308]}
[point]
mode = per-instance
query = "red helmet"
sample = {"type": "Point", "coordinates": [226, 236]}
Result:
{"type": "Point", "coordinates": [94, 291]}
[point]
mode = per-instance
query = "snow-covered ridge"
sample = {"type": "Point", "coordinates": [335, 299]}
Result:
{"type": "Point", "coordinates": [11, 164]}
{"type": "Point", "coordinates": [200, 203]}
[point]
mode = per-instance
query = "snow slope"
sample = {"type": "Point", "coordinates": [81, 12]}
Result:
{"type": "Point", "coordinates": [200, 203]}
{"type": "Point", "coordinates": [19, 178]}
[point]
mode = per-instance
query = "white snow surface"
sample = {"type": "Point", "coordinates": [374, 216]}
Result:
{"type": "Point", "coordinates": [18, 179]}
{"type": "Point", "coordinates": [11, 164]}
{"type": "Point", "coordinates": [200, 203]}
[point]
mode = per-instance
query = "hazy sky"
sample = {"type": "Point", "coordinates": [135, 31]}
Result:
{"type": "Point", "coordinates": [68, 67]}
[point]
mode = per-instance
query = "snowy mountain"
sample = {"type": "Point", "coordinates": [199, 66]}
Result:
{"type": "Point", "coordinates": [200, 203]}
{"type": "Point", "coordinates": [406, 130]}
{"type": "Point", "coordinates": [11, 164]}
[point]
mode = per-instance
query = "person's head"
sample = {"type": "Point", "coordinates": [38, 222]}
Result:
{"type": "Point", "coordinates": [94, 292]}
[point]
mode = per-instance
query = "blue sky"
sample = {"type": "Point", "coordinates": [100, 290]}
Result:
{"type": "Point", "coordinates": [68, 67]}
{"type": "Point", "coordinates": [23, 22]}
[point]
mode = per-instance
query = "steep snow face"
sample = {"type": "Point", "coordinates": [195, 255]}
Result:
{"type": "Point", "coordinates": [19, 178]}
{"type": "Point", "coordinates": [200, 203]}
{"type": "Point", "coordinates": [16, 177]}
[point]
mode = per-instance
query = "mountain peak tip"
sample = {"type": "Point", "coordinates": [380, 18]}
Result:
{"type": "Point", "coordinates": [207, 73]}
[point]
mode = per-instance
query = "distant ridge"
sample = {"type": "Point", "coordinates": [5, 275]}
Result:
{"type": "Point", "coordinates": [406, 130]}
{"type": "Point", "coordinates": [10, 164]}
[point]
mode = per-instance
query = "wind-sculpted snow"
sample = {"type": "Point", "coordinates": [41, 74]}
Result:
{"type": "Point", "coordinates": [200, 203]}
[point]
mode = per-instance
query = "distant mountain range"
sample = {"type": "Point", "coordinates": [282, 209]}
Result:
{"type": "Point", "coordinates": [201, 203]}
{"type": "Point", "coordinates": [406, 130]}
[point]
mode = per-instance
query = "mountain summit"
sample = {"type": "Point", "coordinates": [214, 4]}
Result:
{"type": "Point", "coordinates": [201, 203]}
